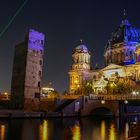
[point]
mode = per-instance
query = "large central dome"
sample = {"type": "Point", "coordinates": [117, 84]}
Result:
{"type": "Point", "coordinates": [125, 33]}
{"type": "Point", "coordinates": [122, 45]}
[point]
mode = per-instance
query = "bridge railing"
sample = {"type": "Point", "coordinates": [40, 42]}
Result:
{"type": "Point", "coordinates": [114, 97]}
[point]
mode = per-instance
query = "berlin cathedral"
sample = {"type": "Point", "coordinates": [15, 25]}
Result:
{"type": "Point", "coordinates": [122, 61]}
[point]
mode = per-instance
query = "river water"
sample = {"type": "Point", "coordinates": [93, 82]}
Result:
{"type": "Point", "coordinates": [89, 128]}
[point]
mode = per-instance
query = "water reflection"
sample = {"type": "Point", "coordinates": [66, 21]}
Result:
{"type": "Point", "coordinates": [2, 132]}
{"type": "Point", "coordinates": [126, 131]}
{"type": "Point", "coordinates": [43, 130]}
{"type": "Point", "coordinates": [66, 129]}
{"type": "Point", "coordinates": [112, 132]}
{"type": "Point", "coordinates": [103, 130]}
{"type": "Point", "coordinates": [76, 132]}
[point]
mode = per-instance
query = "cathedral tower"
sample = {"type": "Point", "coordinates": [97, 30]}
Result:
{"type": "Point", "coordinates": [80, 69]}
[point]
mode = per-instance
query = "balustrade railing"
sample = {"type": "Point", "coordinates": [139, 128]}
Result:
{"type": "Point", "coordinates": [114, 97]}
{"type": "Point", "coordinates": [105, 97]}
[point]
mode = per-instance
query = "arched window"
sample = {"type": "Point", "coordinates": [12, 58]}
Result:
{"type": "Point", "coordinates": [39, 84]}
{"type": "Point", "coordinates": [112, 55]}
{"type": "Point", "coordinates": [126, 56]}
{"type": "Point", "coordinates": [40, 62]}
{"type": "Point", "coordinates": [40, 73]}
{"type": "Point", "coordinates": [77, 60]}
{"type": "Point", "coordinates": [119, 57]}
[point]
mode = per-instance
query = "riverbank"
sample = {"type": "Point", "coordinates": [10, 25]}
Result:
{"type": "Point", "coordinates": [37, 114]}
{"type": "Point", "coordinates": [32, 114]}
{"type": "Point", "coordinates": [19, 114]}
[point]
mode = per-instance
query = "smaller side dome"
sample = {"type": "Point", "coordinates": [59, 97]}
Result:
{"type": "Point", "coordinates": [81, 48]}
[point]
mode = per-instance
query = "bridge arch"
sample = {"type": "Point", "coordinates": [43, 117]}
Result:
{"type": "Point", "coordinates": [92, 106]}
{"type": "Point", "coordinates": [102, 111]}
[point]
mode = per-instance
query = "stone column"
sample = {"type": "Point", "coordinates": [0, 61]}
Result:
{"type": "Point", "coordinates": [122, 56]}
{"type": "Point", "coordinates": [119, 57]}
{"type": "Point", "coordinates": [116, 57]}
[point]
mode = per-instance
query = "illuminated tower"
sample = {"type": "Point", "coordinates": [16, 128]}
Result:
{"type": "Point", "coordinates": [80, 69]}
{"type": "Point", "coordinates": [27, 70]}
{"type": "Point", "coordinates": [121, 47]}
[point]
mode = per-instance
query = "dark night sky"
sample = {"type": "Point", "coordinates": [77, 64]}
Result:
{"type": "Point", "coordinates": [64, 24]}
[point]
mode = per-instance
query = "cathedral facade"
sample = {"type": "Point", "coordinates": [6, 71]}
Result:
{"type": "Point", "coordinates": [122, 61]}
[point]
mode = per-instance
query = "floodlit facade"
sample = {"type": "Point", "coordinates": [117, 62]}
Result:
{"type": "Point", "coordinates": [80, 69]}
{"type": "Point", "coordinates": [122, 61]}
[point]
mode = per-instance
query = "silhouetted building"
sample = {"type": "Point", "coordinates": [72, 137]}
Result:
{"type": "Point", "coordinates": [27, 70]}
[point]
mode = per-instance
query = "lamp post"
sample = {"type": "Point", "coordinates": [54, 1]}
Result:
{"type": "Point", "coordinates": [126, 102]}
{"type": "Point", "coordinates": [102, 101]}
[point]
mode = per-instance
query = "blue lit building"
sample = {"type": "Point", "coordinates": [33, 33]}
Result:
{"type": "Point", "coordinates": [122, 59]}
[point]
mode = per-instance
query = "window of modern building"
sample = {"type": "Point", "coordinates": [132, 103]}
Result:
{"type": "Point", "coordinates": [39, 84]}
{"type": "Point", "coordinates": [40, 62]}
{"type": "Point", "coordinates": [41, 52]}
{"type": "Point", "coordinates": [42, 42]}
{"type": "Point", "coordinates": [40, 73]}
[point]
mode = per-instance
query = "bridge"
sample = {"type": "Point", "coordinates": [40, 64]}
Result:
{"type": "Point", "coordinates": [126, 104]}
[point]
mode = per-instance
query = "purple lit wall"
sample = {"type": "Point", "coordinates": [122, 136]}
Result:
{"type": "Point", "coordinates": [36, 40]}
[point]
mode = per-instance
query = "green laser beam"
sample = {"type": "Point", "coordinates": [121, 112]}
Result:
{"type": "Point", "coordinates": [12, 19]}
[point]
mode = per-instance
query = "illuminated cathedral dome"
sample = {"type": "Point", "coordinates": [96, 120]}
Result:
{"type": "Point", "coordinates": [81, 48]}
{"type": "Point", "coordinates": [125, 33]}
{"type": "Point", "coordinates": [122, 45]}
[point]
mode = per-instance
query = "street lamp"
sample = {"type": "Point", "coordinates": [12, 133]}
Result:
{"type": "Point", "coordinates": [134, 93]}
{"type": "Point", "coordinates": [126, 102]}
{"type": "Point", "coordinates": [102, 101]}
{"type": "Point", "coordinates": [5, 93]}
